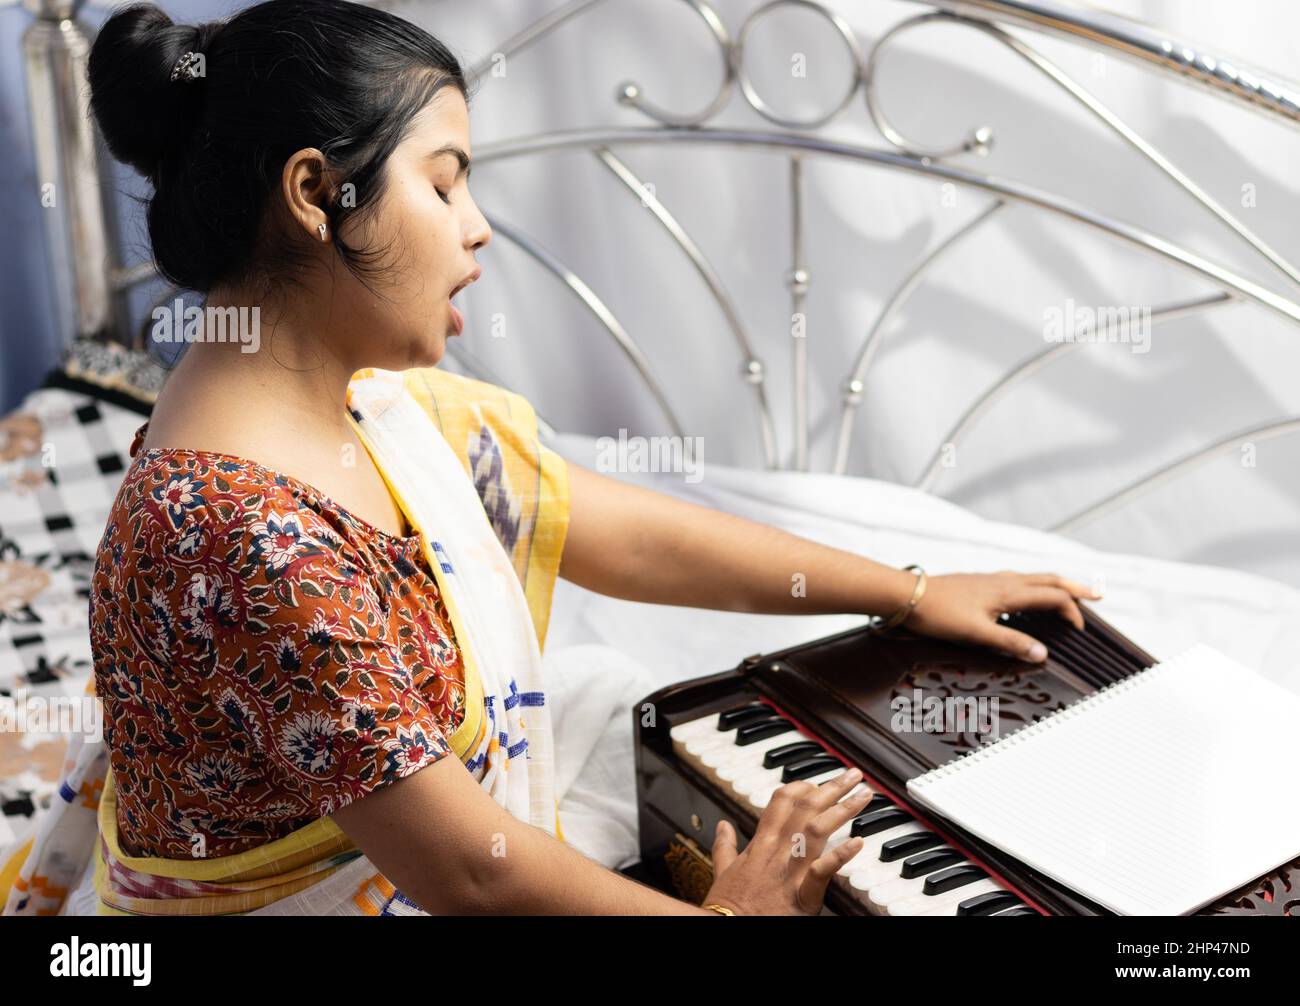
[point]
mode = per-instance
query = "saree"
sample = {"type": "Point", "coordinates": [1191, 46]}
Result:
{"type": "Point", "coordinates": [463, 461]}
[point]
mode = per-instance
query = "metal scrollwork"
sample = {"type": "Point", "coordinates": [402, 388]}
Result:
{"type": "Point", "coordinates": [751, 94]}
{"type": "Point", "coordinates": [980, 139]}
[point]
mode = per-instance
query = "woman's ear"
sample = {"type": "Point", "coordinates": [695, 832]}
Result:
{"type": "Point", "coordinates": [307, 190]}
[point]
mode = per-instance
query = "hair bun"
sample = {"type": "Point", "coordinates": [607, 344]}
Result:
{"type": "Point", "coordinates": [281, 76]}
{"type": "Point", "coordinates": [140, 109]}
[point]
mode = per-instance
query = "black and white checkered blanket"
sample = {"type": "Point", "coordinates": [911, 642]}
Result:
{"type": "Point", "coordinates": [63, 453]}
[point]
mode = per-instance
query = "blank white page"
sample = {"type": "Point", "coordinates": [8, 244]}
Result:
{"type": "Point", "coordinates": [1154, 796]}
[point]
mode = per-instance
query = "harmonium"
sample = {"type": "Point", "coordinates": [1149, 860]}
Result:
{"type": "Point", "coordinates": [717, 748]}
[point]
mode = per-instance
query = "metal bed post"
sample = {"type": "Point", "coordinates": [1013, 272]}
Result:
{"type": "Point", "coordinates": [56, 49]}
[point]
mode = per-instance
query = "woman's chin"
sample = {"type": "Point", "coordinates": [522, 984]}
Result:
{"type": "Point", "coordinates": [432, 353]}
{"type": "Point", "coordinates": [417, 349]}
{"type": "Point", "coordinates": [429, 351]}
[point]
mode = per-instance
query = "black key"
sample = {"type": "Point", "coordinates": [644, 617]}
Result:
{"type": "Point", "coordinates": [927, 862]}
{"type": "Point", "coordinates": [1022, 910]}
{"type": "Point", "coordinates": [877, 802]}
{"type": "Point", "coordinates": [792, 752]}
{"type": "Point", "coordinates": [878, 821]}
{"type": "Point", "coordinates": [908, 845]}
{"type": "Point", "coordinates": [951, 879]}
{"type": "Point", "coordinates": [988, 904]}
{"type": "Point", "coordinates": [815, 765]}
{"type": "Point", "coordinates": [762, 729]}
{"type": "Point", "coordinates": [732, 718]}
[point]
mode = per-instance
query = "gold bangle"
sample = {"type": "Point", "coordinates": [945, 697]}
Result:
{"type": "Point", "coordinates": [719, 909]}
{"type": "Point", "coordinates": [901, 615]}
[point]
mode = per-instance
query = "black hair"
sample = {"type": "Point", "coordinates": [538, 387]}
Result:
{"type": "Point", "coordinates": [278, 77]}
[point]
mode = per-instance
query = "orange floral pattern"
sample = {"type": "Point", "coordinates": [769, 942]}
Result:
{"type": "Point", "coordinates": [264, 656]}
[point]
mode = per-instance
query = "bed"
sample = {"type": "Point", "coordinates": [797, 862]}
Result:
{"type": "Point", "coordinates": [63, 451]}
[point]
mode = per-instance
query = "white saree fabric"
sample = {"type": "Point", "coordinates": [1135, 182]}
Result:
{"type": "Point", "coordinates": [490, 614]}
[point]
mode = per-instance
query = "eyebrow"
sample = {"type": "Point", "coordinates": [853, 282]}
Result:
{"type": "Point", "coordinates": [460, 155]}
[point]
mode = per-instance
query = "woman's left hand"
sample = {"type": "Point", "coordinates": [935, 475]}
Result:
{"type": "Point", "coordinates": [965, 607]}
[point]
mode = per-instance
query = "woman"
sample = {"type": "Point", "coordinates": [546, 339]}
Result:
{"type": "Point", "coordinates": [300, 605]}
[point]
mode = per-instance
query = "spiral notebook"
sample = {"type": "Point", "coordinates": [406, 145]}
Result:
{"type": "Point", "coordinates": [1154, 796]}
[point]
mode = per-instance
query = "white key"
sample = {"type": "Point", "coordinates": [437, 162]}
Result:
{"type": "Point", "coordinates": [736, 760]}
{"type": "Point", "coordinates": [694, 728]}
{"type": "Point", "coordinates": [883, 895]}
{"type": "Point", "coordinates": [705, 726]}
{"type": "Point", "coordinates": [945, 903]}
{"type": "Point", "coordinates": [752, 782]}
{"type": "Point", "coordinates": [720, 739]}
{"type": "Point", "coordinates": [731, 772]}
{"type": "Point", "coordinates": [869, 854]}
{"type": "Point", "coordinates": [684, 732]}
{"type": "Point", "coordinates": [876, 875]}
{"type": "Point", "coordinates": [747, 754]}
{"type": "Point", "coordinates": [759, 799]}
{"type": "Point", "coordinates": [866, 870]}
{"type": "Point", "coordinates": [745, 780]}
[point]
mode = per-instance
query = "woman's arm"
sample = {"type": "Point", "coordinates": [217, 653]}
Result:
{"type": "Point", "coordinates": [480, 860]}
{"type": "Point", "coordinates": [633, 543]}
{"type": "Point", "coordinates": [452, 849]}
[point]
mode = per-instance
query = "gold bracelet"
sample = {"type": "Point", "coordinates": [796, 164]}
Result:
{"type": "Point", "coordinates": [719, 909]}
{"type": "Point", "coordinates": [901, 615]}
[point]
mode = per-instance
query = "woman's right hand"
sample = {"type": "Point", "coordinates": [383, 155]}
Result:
{"type": "Point", "coordinates": [784, 870]}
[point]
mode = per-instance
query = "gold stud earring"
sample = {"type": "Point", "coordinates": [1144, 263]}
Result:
{"type": "Point", "coordinates": [321, 228]}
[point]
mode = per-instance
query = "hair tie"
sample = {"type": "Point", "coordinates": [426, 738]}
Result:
{"type": "Point", "coordinates": [190, 67]}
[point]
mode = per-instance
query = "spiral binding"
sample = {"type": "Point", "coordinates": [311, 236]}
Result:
{"type": "Point", "coordinates": [1038, 727]}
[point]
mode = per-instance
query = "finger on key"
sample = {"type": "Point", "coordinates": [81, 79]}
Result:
{"type": "Point", "coordinates": [833, 791]}
{"type": "Point", "coordinates": [813, 888]}
{"type": "Point", "coordinates": [834, 817]}
{"type": "Point", "coordinates": [774, 820]}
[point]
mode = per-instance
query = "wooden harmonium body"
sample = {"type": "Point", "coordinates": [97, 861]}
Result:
{"type": "Point", "coordinates": [717, 747]}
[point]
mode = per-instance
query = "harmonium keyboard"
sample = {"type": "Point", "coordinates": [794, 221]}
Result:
{"type": "Point", "coordinates": [718, 747]}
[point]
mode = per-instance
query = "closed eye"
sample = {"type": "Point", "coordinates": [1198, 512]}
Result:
{"type": "Point", "coordinates": [443, 196]}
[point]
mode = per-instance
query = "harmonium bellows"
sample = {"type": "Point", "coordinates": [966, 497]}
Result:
{"type": "Point", "coordinates": [717, 748]}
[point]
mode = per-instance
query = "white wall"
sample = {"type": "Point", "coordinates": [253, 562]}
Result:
{"type": "Point", "coordinates": [1082, 429]}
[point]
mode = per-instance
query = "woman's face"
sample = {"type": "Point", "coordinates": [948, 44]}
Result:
{"type": "Point", "coordinates": [427, 230]}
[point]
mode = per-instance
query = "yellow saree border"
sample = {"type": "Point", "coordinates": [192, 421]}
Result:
{"type": "Point", "coordinates": [462, 407]}
{"type": "Point", "coordinates": [308, 844]}
{"type": "Point", "coordinates": [12, 867]}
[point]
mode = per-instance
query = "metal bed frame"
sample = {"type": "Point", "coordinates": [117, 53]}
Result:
{"type": "Point", "coordinates": [56, 46]}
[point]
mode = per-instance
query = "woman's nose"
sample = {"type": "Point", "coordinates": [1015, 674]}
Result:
{"type": "Point", "coordinates": [481, 233]}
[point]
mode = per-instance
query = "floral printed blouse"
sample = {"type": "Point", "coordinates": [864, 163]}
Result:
{"type": "Point", "coordinates": [264, 657]}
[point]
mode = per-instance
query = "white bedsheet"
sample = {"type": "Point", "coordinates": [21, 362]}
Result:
{"type": "Point", "coordinates": [603, 655]}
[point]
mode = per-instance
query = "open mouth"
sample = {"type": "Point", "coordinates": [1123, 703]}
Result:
{"type": "Point", "coordinates": [458, 319]}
